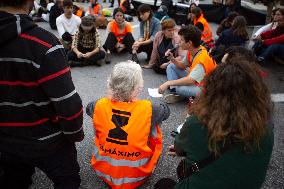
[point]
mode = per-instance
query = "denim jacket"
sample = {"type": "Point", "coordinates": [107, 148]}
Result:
{"type": "Point", "coordinates": [155, 26]}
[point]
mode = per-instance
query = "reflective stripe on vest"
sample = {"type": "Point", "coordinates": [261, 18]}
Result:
{"type": "Point", "coordinates": [207, 33]}
{"type": "Point", "coordinates": [119, 181]}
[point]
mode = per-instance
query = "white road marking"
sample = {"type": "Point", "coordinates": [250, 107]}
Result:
{"type": "Point", "coordinates": [277, 97]}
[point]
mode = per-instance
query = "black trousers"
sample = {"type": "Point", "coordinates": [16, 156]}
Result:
{"type": "Point", "coordinates": [61, 167]}
{"type": "Point", "coordinates": [111, 41]}
{"type": "Point", "coordinates": [93, 59]}
{"type": "Point", "coordinates": [147, 49]}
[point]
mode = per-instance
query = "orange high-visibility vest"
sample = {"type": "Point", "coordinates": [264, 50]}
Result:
{"type": "Point", "coordinates": [95, 9]}
{"type": "Point", "coordinates": [202, 57]}
{"type": "Point", "coordinates": [207, 33]}
{"type": "Point", "coordinates": [114, 28]}
{"type": "Point", "coordinates": [122, 6]}
{"type": "Point", "coordinates": [79, 13]}
{"type": "Point", "coordinates": [126, 148]}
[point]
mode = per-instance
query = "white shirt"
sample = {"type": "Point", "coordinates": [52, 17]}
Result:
{"type": "Point", "coordinates": [67, 25]}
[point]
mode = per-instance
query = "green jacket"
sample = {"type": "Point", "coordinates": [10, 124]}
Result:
{"type": "Point", "coordinates": [235, 169]}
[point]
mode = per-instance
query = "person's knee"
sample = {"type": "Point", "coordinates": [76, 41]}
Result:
{"type": "Point", "coordinates": [101, 54]}
{"type": "Point", "coordinates": [171, 66]}
{"type": "Point", "coordinates": [111, 35]}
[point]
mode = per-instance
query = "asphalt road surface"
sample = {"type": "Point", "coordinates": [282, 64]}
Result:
{"type": "Point", "coordinates": [90, 83]}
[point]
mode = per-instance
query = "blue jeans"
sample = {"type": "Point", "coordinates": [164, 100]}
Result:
{"type": "Point", "coordinates": [174, 73]}
{"type": "Point", "coordinates": [273, 50]}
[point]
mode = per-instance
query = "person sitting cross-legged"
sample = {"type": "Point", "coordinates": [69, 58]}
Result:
{"type": "Point", "coordinates": [86, 46]}
{"type": "Point", "coordinates": [164, 40]}
{"type": "Point", "coordinates": [120, 36]}
{"type": "Point", "coordinates": [149, 26]}
{"type": "Point", "coordinates": [270, 44]}
{"type": "Point", "coordinates": [185, 77]}
{"type": "Point", "coordinates": [128, 139]}
{"type": "Point", "coordinates": [67, 24]}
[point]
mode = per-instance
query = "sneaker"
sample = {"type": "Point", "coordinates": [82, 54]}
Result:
{"type": "Point", "coordinates": [172, 98]}
{"type": "Point", "coordinates": [135, 58]}
{"type": "Point", "coordinates": [107, 58]}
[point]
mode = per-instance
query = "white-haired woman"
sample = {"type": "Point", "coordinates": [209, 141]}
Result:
{"type": "Point", "coordinates": [128, 140]}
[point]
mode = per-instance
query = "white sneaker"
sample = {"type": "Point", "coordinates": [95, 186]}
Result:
{"type": "Point", "coordinates": [172, 98]}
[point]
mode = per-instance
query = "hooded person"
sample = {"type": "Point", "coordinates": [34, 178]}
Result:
{"type": "Point", "coordinates": [36, 128]}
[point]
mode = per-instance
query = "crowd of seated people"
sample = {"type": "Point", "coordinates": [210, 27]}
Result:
{"type": "Point", "coordinates": [228, 120]}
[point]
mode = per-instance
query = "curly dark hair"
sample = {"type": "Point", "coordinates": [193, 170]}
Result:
{"type": "Point", "coordinates": [235, 106]}
{"type": "Point", "coordinates": [191, 33]}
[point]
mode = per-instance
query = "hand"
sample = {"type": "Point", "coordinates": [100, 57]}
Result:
{"type": "Point", "coordinates": [164, 65]}
{"type": "Point", "coordinates": [163, 87]}
{"type": "Point", "coordinates": [171, 150]}
{"type": "Point", "coordinates": [136, 44]}
{"type": "Point", "coordinates": [80, 55]}
{"type": "Point", "coordinates": [87, 55]}
{"type": "Point", "coordinates": [258, 37]}
{"type": "Point", "coordinates": [148, 66]}
{"type": "Point", "coordinates": [169, 55]}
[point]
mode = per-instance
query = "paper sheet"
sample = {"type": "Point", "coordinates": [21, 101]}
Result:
{"type": "Point", "coordinates": [154, 93]}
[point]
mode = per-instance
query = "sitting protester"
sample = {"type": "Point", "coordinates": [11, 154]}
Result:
{"type": "Point", "coordinates": [272, 25]}
{"type": "Point", "coordinates": [149, 26]}
{"type": "Point", "coordinates": [237, 35]}
{"type": "Point", "coordinates": [67, 24]}
{"type": "Point", "coordinates": [120, 37]}
{"type": "Point", "coordinates": [125, 5]}
{"type": "Point", "coordinates": [228, 139]}
{"type": "Point", "coordinates": [55, 11]}
{"type": "Point", "coordinates": [162, 13]}
{"type": "Point", "coordinates": [128, 139]}
{"type": "Point", "coordinates": [189, 20]}
{"type": "Point", "coordinates": [45, 16]}
{"type": "Point", "coordinates": [96, 10]}
{"type": "Point", "coordinates": [86, 45]}
{"type": "Point", "coordinates": [185, 78]}
{"type": "Point", "coordinates": [270, 44]}
{"type": "Point", "coordinates": [78, 11]}
{"type": "Point", "coordinates": [164, 40]}
{"type": "Point", "coordinates": [200, 22]}
{"type": "Point", "coordinates": [226, 23]}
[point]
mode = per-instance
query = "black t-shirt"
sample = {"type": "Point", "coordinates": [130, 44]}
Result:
{"type": "Point", "coordinates": [162, 48]}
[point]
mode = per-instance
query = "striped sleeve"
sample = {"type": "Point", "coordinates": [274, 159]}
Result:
{"type": "Point", "coordinates": [55, 80]}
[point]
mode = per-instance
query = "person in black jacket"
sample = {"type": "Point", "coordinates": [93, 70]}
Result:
{"type": "Point", "coordinates": [40, 111]}
{"type": "Point", "coordinates": [55, 11]}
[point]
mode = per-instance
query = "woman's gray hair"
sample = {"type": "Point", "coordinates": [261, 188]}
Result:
{"type": "Point", "coordinates": [125, 81]}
